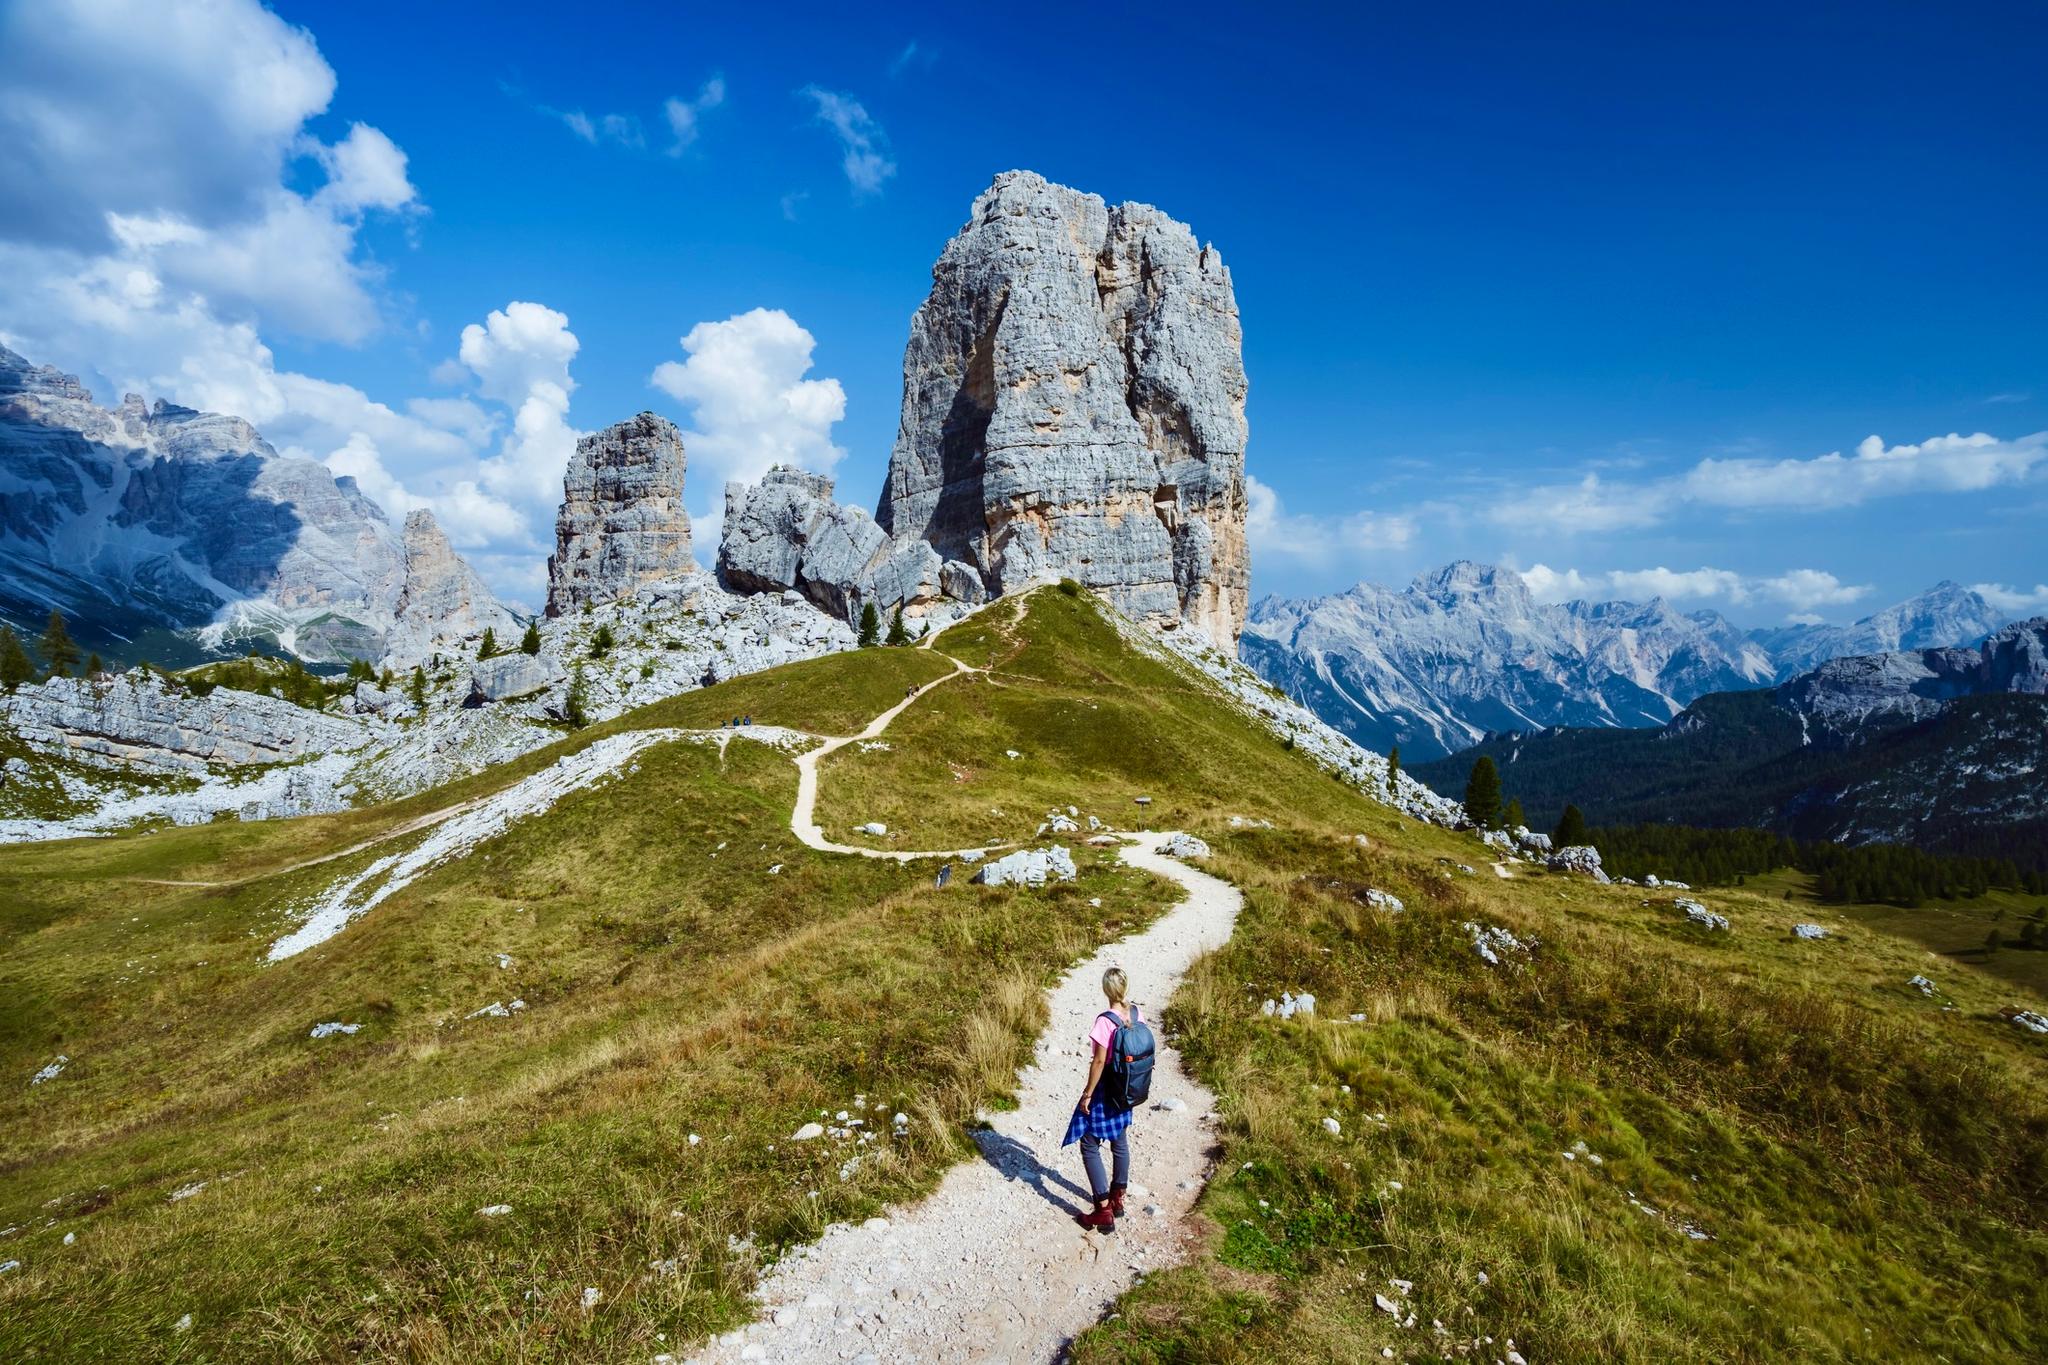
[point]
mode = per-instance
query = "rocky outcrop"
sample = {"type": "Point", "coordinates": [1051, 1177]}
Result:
{"type": "Point", "coordinates": [443, 604]}
{"type": "Point", "coordinates": [1073, 406]}
{"type": "Point", "coordinates": [1844, 696]}
{"type": "Point", "coordinates": [505, 676]}
{"type": "Point", "coordinates": [622, 523]}
{"type": "Point", "coordinates": [786, 533]}
{"type": "Point", "coordinates": [133, 720]}
{"type": "Point", "coordinates": [141, 517]}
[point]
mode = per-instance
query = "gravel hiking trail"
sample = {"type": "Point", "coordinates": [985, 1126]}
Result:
{"type": "Point", "coordinates": [991, 1266]}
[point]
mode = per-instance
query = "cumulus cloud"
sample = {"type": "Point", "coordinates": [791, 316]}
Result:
{"type": "Point", "coordinates": [864, 146]}
{"type": "Point", "coordinates": [1941, 464]}
{"type": "Point", "coordinates": [744, 378]}
{"type": "Point", "coordinates": [684, 115]}
{"type": "Point", "coordinates": [1317, 541]}
{"type": "Point", "coordinates": [1800, 589]}
{"type": "Point", "coordinates": [520, 356]}
{"type": "Point", "coordinates": [2017, 601]}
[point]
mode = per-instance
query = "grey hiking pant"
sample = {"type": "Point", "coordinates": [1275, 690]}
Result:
{"type": "Point", "coordinates": [1091, 1157]}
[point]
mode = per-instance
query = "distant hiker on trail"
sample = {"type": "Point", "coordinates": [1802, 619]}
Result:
{"type": "Point", "coordinates": [1119, 1079]}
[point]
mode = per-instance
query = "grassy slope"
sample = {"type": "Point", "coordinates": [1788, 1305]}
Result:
{"type": "Point", "coordinates": [1864, 1160]}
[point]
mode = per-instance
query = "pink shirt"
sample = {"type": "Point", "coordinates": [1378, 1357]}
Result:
{"type": "Point", "coordinates": [1104, 1031]}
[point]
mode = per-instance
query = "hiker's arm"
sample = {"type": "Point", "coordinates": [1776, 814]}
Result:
{"type": "Point", "coordinates": [1101, 1059]}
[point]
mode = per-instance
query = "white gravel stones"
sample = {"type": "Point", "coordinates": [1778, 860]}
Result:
{"type": "Point", "coordinates": [592, 1296]}
{"type": "Point", "coordinates": [1289, 1005]}
{"type": "Point", "coordinates": [494, 1211]}
{"type": "Point", "coordinates": [1495, 945]}
{"type": "Point", "coordinates": [1184, 846]}
{"type": "Point", "coordinates": [1809, 931]}
{"type": "Point", "coordinates": [50, 1072]}
{"type": "Point", "coordinates": [1029, 867]}
{"type": "Point", "coordinates": [1700, 915]}
{"type": "Point", "coordinates": [331, 1029]}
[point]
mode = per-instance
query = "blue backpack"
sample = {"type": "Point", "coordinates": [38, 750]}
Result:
{"type": "Point", "coordinates": [1127, 1074]}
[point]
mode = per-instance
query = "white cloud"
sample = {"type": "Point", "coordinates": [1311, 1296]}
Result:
{"type": "Point", "coordinates": [753, 407]}
{"type": "Point", "coordinates": [520, 356]}
{"type": "Point", "coordinates": [1804, 618]}
{"type": "Point", "coordinates": [912, 55]}
{"type": "Point", "coordinates": [684, 115]}
{"type": "Point", "coordinates": [1317, 541]}
{"type": "Point", "coordinates": [1800, 589]}
{"type": "Point", "coordinates": [2014, 600]}
{"type": "Point", "coordinates": [866, 158]}
{"type": "Point", "coordinates": [1941, 464]}
{"type": "Point", "coordinates": [365, 170]}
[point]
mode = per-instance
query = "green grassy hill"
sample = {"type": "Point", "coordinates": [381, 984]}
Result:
{"type": "Point", "coordinates": [1869, 1166]}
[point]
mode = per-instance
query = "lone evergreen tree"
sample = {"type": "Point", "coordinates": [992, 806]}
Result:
{"type": "Point", "coordinates": [1482, 794]}
{"type": "Point", "coordinates": [94, 666]}
{"type": "Point", "coordinates": [870, 625]}
{"type": "Point", "coordinates": [1514, 819]}
{"type": "Point", "coordinates": [417, 688]}
{"type": "Point", "coordinates": [1571, 829]}
{"type": "Point", "coordinates": [530, 642]}
{"type": "Point", "coordinates": [573, 703]}
{"type": "Point", "coordinates": [601, 642]}
{"type": "Point", "coordinates": [15, 668]}
{"type": "Point", "coordinates": [489, 646]}
{"type": "Point", "coordinates": [897, 634]}
{"type": "Point", "coordinates": [60, 652]}
{"type": "Point", "coordinates": [1394, 770]}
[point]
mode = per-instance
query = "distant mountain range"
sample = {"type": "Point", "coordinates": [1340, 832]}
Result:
{"type": "Point", "coordinates": [1466, 651]}
{"type": "Point", "coordinates": [167, 533]}
{"type": "Point", "coordinates": [1945, 749]}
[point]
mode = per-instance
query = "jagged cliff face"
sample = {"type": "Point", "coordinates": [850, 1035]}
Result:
{"type": "Point", "coordinates": [140, 517]}
{"type": "Point", "coordinates": [786, 533]}
{"type": "Point", "coordinates": [622, 523]}
{"type": "Point", "coordinates": [442, 604]}
{"type": "Point", "coordinates": [1073, 406]}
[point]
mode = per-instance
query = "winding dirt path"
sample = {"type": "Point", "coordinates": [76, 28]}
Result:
{"type": "Point", "coordinates": [991, 1267]}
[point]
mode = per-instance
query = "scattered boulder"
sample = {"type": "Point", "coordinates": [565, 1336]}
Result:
{"type": "Point", "coordinates": [1921, 984]}
{"type": "Point", "coordinates": [874, 827]}
{"type": "Point", "coordinates": [1529, 839]}
{"type": "Point", "coordinates": [1700, 915]}
{"type": "Point", "coordinates": [2026, 1019]}
{"type": "Point", "coordinates": [505, 677]}
{"type": "Point", "coordinates": [329, 1030]}
{"type": "Point", "coordinates": [1581, 858]}
{"type": "Point", "coordinates": [1495, 945]}
{"type": "Point", "coordinates": [1289, 1005]}
{"type": "Point", "coordinates": [1809, 931]}
{"type": "Point", "coordinates": [785, 533]}
{"type": "Point", "coordinates": [809, 1132]}
{"type": "Point", "coordinates": [1184, 846]}
{"type": "Point", "coordinates": [1029, 867]}
{"type": "Point", "coordinates": [1384, 900]}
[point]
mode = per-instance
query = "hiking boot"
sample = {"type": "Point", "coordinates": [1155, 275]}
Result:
{"type": "Point", "coordinates": [1116, 1200]}
{"type": "Point", "coordinates": [1101, 1220]}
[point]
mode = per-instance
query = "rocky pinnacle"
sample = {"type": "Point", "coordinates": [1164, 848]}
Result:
{"type": "Point", "coordinates": [1073, 406]}
{"type": "Point", "coordinates": [622, 523]}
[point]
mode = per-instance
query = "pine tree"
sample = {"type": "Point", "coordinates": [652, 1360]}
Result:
{"type": "Point", "coordinates": [93, 666]}
{"type": "Point", "coordinates": [417, 688]}
{"type": "Point", "coordinates": [1394, 771]}
{"type": "Point", "coordinates": [529, 643]}
{"type": "Point", "coordinates": [897, 634]}
{"type": "Point", "coordinates": [870, 625]}
{"type": "Point", "coordinates": [1514, 819]}
{"type": "Point", "coordinates": [573, 704]}
{"type": "Point", "coordinates": [1482, 794]}
{"type": "Point", "coordinates": [1571, 830]}
{"type": "Point", "coordinates": [490, 643]}
{"type": "Point", "coordinates": [601, 642]}
{"type": "Point", "coordinates": [60, 652]}
{"type": "Point", "coordinates": [15, 667]}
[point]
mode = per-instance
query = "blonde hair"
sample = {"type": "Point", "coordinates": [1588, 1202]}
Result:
{"type": "Point", "coordinates": [1114, 984]}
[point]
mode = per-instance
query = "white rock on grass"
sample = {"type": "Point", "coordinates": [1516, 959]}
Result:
{"type": "Point", "coordinates": [1581, 858]}
{"type": "Point", "coordinates": [330, 1029]}
{"type": "Point", "coordinates": [1333, 1128]}
{"type": "Point", "coordinates": [2030, 1021]}
{"type": "Point", "coordinates": [1184, 846]}
{"type": "Point", "coordinates": [1700, 915]}
{"type": "Point", "coordinates": [592, 1296]}
{"type": "Point", "coordinates": [494, 1211]}
{"type": "Point", "coordinates": [50, 1072]}
{"type": "Point", "coordinates": [1494, 944]}
{"type": "Point", "coordinates": [1809, 931]}
{"type": "Point", "coordinates": [1289, 1005]}
{"type": "Point", "coordinates": [1921, 984]}
{"type": "Point", "coordinates": [874, 827]}
{"type": "Point", "coordinates": [1383, 900]}
{"type": "Point", "coordinates": [1029, 867]}
{"type": "Point", "coordinates": [808, 1133]}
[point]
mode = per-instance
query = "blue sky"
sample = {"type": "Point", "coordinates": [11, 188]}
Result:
{"type": "Point", "coordinates": [1589, 290]}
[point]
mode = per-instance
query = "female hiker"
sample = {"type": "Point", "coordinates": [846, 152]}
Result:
{"type": "Point", "coordinates": [1104, 1112]}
